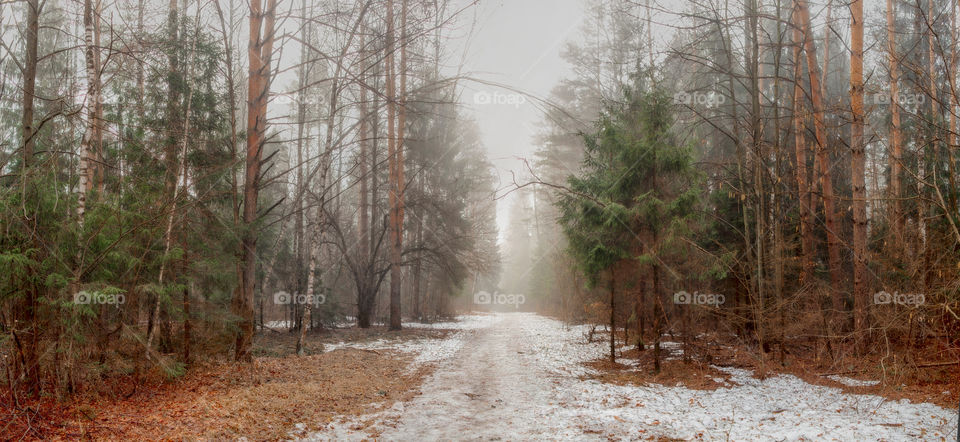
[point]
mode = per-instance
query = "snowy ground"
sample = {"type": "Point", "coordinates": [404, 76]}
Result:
{"type": "Point", "coordinates": [517, 376]}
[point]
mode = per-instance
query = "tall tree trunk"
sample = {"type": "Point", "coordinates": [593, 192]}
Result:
{"type": "Point", "coordinates": [27, 309]}
{"type": "Point", "coordinates": [658, 316]}
{"type": "Point", "coordinates": [91, 105]}
{"type": "Point", "coordinates": [930, 151]}
{"type": "Point", "coordinates": [822, 159]}
{"type": "Point", "coordinates": [825, 73]}
{"type": "Point", "coordinates": [363, 222]}
{"type": "Point", "coordinates": [418, 260]}
{"type": "Point", "coordinates": [260, 51]}
{"type": "Point", "coordinates": [613, 316]}
{"type": "Point", "coordinates": [98, 167]}
{"type": "Point", "coordinates": [858, 169]}
{"type": "Point", "coordinates": [640, 310]}
{"type": "Point", "coordinates": [777, 215]}
{"type": "Point", "coordinates": [301, 249]}
{"type": "Point", "coordinates": [760, 213]}
{"type": "Point", "coordinates": [896, 142]}
{"type": "Point", "coordinates": [395, 146]}
{"type": "Point", "coordinates": [29, 81]}
{"type": "Point", "coordinates": [187, 325]}
{"type": "Point", "coordinates": [952, 103]}
{"type": "Point", "coordinates": [313, 247]}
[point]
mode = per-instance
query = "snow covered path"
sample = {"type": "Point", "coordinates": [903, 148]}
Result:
{"type": "Point", "coordinates": [517, 377]}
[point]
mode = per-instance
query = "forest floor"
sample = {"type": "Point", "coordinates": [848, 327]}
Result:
{"type": "Point", "coordinates": [278, 394]}
{"type": "Point", "coordinates": [505, 376]}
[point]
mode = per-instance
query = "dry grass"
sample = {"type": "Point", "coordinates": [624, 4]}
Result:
{"type": "Point", "coordinates": [695, 375]}
{"type": "Point", "coordinates": [222, 400]}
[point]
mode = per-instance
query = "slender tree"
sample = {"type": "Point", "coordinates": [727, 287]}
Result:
{"type": "Point", "coordinates": [822, 158]}
{"type": "Point", "coordinates": [858, 168]}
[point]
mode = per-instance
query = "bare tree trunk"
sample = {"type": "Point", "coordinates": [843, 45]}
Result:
{"type": "Point", "coordinates": [187, 325]}
{"type": "Point", "coordinates": [363, 223]}
{"type": "Point", "coordinates": [302, 254]}
{"type": "Point", "coordinates": [613, 316]}
{"type": "Point", "coordinates": [759, 167]}
{"type": "Point", "coordinates": [313, 247]}
{"type": "Point", "coordinates": [822, 159]}
{"type": "Point", "coordinates": [29, 81]}
{"type": "Point", "coordinates": [658, 316]}
{"type": "Point", "coordinates": [808, 246]}
{"type": "Point", "coordinates": [260, 51]}
{"type": "Point", "coordinates": [27, 307]}
{"type": "Point", "coordinates": [777, 215]}
{"type": "Point", "coordinates": [418, 263]}
{"type": "Point", "coordinates": [395, 147]}
{"type": "Point", "coordinates": [896, 143]}
{"type": "Point", "coordinates": [952, 102]}
{"type": "Point", "coordinates": [91, 105]}
{"type": "Point", "coordinates": [825, 73]}
{"type": "Point", "coordinates": [639, 310]}
{"type": "Point", "coordinates": [924, 152]}
{"type": "Point", "coordinates": [858, 169]}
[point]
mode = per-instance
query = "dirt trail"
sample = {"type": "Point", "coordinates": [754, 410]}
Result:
{"type": "Point", "coordinates": [489, 391]}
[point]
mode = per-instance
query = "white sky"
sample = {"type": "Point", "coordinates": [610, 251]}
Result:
{"type": "Point", "coordinates": [515, 43]}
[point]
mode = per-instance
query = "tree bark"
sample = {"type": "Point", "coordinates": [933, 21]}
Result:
{"type": "Point", "coordinates": [808, 247]}
{"type": "Point", "coordinates": [29, 81]}
{"type": "Point", "coordinates": [896, 142]}
{"type": "Point", "coordinates": [187, 326]}
{"type": "Point", "coordinates": [91, 105]}
{"type": "Point", "coordinates": [858, 169]}
{"type": "Point", "coordinates": [313, 247]}
{"type": "Point", "coordinates": [27, 307]}
{"type": "Point", "coordinates": [822, 159]}
{"type": "Point", "coordinates": [260, 51]}
{"type": "Point", "coordinates": [395, 146]}
{"type": "Point", "coordinates": [613, 316]}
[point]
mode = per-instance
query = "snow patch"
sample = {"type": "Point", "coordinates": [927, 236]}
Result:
{"type": "Point", "coordinates": [426, 350]}
{"type": "Point", "coordinates": [850, 382]}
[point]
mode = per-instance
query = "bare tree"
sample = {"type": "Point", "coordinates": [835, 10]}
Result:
{"type": "Point", "coordinates": [858, 168]}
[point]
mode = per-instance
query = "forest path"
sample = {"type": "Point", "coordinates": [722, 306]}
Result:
{"type": "Point", "coordinates": [491, 390]}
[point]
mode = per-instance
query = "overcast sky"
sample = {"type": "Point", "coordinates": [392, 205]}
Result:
{"type": "Point", "coordinates": [516, 43]}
